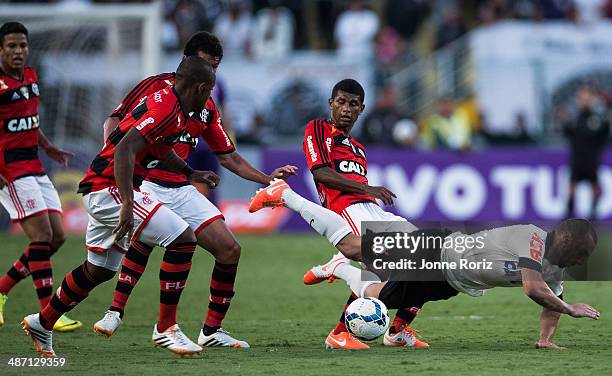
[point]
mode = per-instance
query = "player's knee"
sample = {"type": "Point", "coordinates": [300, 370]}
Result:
{"type": "Point", "coordinates": [43, 234]}
{"type": "Point", "coordinates": [186, 237]}
{"type": "Point", "coordinates": [350, 247]}
{"type": "Point", "coordinates": [230, 254]}
{"type": "Point", "coordinates": [57, 240]}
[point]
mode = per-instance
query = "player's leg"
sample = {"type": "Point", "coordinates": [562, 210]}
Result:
{"type": "Point", "coordinates": [216, 238]}
{"type": "Point", "coordinates": [570, 198]}
{"type": "Point", "coordinates": [596, 194]}
{"type": "Point", "coordinates": [323, 221]}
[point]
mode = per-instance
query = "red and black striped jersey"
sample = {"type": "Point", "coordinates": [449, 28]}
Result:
{"type": "Point", "coordinates": [19, 119]}
{"type": "Point", "coordinates": [161, 122]}
{"type": "Point", "coordinates": [207, 124]}
{"type": "Point", "coordinates": [326, 146]}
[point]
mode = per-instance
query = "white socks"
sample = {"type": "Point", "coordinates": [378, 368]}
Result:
{"type": "Point", "coordinates": [323, 221]}
{"type": "Point", "coordinates": [353, 278]}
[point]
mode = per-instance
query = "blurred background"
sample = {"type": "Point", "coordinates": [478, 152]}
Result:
{"type": "Point", "coordinates": [472, 106]}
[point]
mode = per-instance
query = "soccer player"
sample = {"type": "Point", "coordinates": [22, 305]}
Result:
{"type": "Point", "coordinates": [176, 192]}
{"type": "Point", "coordinates": [119, 214]}
{"type": "Point", "coordinates": [26, 191]}
{"type": "Point", "coordinates": [339, 168]}
{"type": "Point", "coordinates": [521, 255]}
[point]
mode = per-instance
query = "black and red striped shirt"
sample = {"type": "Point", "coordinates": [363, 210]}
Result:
{"type": "Point", "coordinates": [19, 119]}
{"type": "Point", "coordinates": [159, 119]}
{"type": "Point", "coordinates": [207, 124]}
{"type": "Point", "coordinates": [326, 146]}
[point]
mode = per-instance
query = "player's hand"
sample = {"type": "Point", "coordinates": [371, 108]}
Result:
{"type": "Point", "coordinates": [207, 177]}
{"type": "Point", "coordinates": [59, 155]}
{"type": "Point", "coordinates": [547, 345]}
{"type": "Point", "coordinates": [283, 172]}
{"type": "Point", "coordinates": [3, 181]}
{"type": "Point", "coordinates": [126, 222]}
{"type": "Point", "coordinates": [380, 193]}
{"type": "Point", "coordinates": [583, 310]}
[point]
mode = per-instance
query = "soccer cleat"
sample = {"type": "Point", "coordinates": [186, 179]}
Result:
{"type": "Point", "coordinates": [66, 324]}
{"type": "Point", "coordinates": [405, 337]}
{"type": "Point", "coordinates": [43, 338]}
{"type": "Point", "coordinates": [175, 340]}
{"type": "Point", "coordinates": [3, 299]}
{"type": "Point", "coordinates": [344, 340]}
{"type": "Point", "coordinates": [221, 338]}
{"type": "Point", "coordinates": [108, 324]}
{"type": "Point", "coordinates": [320, 273]}
{"type": "Point", "coordinates": [269, 197]}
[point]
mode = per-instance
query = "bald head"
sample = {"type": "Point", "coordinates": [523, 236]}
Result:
{"type": "Point", "coordinates": [195, 71]}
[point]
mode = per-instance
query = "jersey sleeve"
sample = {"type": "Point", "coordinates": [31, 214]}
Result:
{"type": "Point", "coordinates": [134, 97]}
{"type": "Point", "coordinates": [315, 145]}
{"type": "Point", "coordinates": [529, 246]}
{"type": "Point", "coordinates": [159, 122]}
{"type": "Point", "coordinates": [216, 137]}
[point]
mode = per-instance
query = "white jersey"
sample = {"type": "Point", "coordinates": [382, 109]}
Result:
{"type": "Point", "coordinates": [502, 253]}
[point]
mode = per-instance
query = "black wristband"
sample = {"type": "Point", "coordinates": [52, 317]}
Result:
{"type": "Point", "coordinates": [187, 170]}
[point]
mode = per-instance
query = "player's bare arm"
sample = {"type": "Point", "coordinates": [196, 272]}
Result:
{"type": "Point", "coordinates": [3, 181]}
{"type": "Point", "coordinates": [549, 321]}
{"type": "Point", "coordinates": [57, 154]}
{"type": "Point", "coordinates": [538, 291]}
{"type": "Point", "coordinates": [109, 126]}
{"type": "Point", "coordinates": [241, 167]}
{"type": "Point", "coordinates": [331, 179]}
{"type": "Point", "coordinates": [174, 162]}
{"type": "Point", "coordinates": [125, 157]}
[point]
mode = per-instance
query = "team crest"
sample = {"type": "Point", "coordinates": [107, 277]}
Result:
{"type": "Point", "coordinates": [24, 92]}
{"type": "Point", "coordinates": [35, 89]}
{"type": "Point", "coordinates": [204, 116]}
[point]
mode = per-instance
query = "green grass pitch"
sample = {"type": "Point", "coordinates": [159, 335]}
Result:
{"type": "Point", "coordinates": [286, 323]}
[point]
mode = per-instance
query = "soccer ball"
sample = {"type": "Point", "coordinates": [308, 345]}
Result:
{"type": "Point", "coordinates": [367, 318]}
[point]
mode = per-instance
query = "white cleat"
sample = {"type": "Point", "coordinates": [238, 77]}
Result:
{"type": "Point", "coordinates": [175, 340]}
{"type": "Point", "coordinates": [109, 323]}
{"type": "Point", "coordinates": [221, 338]}
{"type": "Point", "coordinates": [320, 273]}
{"type": "Point", "coordinates": [43, 338]}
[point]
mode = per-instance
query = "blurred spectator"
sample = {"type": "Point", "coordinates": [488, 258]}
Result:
{"type": "Point", "coordinates": [451, 28]}
{"type": "Point", "coordinates": [406, 16]}
{"type": "Point", "coordinates": [355, 30]}
{"type": "Point", "coordinates": [554, 9]}
{"type": "Point", "coordinates": [589, 11]}
{"type": "Point", "coordinates": [587, 132]}
{"type": "Point", "coordinates": [385, 125]}
{"type": "Point", "coordinates": [186, 16]}
{"type": "Point", "coordinates": [273, 31]}
{"type": "Point", "coordinates": [448, 128]}
{"type": "Point", "coordinates": [494, 10]}
{"type": "Point", "coordinates": [233, 27]}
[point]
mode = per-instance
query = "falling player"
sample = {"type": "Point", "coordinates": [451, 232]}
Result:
{"type": "Point", "coordinates": [177, 193]}
{"type": "Point", "coordinates": [119, 214]}
{"type": "Point", "coordinates": [339, 168]}
{"type": "Point", "coordinates": [26, 191]}
{"type": "Point", "coordinates": [521, 255]}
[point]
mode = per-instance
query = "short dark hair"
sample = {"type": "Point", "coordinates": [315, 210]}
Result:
{"type": "Point", "coordinates": [12, 28]}
{"type": "Point", "coordinates": [205, 42]}
{"type": "Point", "coordinates": [194, 70]}
{"type": "Point", "coordinates": [580, 234]}
{"type": "Point", "coordinates": [350, 86]}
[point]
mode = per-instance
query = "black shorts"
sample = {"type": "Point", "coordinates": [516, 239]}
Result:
{"type": "Point", "coordinates": [415, 293]}
{"type": "Point", "coordinates": [584, 170]}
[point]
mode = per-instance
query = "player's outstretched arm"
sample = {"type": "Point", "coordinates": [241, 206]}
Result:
{"type": "Point", "coordinates": [537, 290]}
{"type": "Point", "coordinates": [125, 159]}
{"type": "Point", "coordinates": [549, 321]}
{"type": "Point", "coordinates": [3, 181]}
{"type": "Point", "coordinates": [241, 167]}
{"type": "Point", "coordinates": [57, 154]}
{"type": "Point", "coordinates": [175, 163]}
{"type": "Point", "coordinates": [110, 124]}
{"type": "Point", "coordinates": [331, 179]}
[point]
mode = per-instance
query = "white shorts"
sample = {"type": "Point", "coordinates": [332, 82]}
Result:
{"type": "Point", "coordinates": [187, 203]}
{"type": "Point", "coordinates": [154, 224]}
{"type": "Point", "coordinates": [30, 196]}
{"type": "Point", "coordinates": [370, 212]}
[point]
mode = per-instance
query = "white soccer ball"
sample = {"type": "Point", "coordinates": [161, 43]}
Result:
{"type": "Point", "coordinates": [367, 318]}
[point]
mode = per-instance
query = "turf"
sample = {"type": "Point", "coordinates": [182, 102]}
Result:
{"type": "Point", "coordinates": [286, 323]}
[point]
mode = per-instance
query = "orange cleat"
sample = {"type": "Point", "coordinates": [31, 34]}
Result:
{"type": "Point", "coordinates": [406, 338]}
{"type": "Point", "coordinates": [269, 197]}
{"type": "Point", "coordinates": [320, 273]}
{"type": "Point", "coordinates": [345, 341]}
